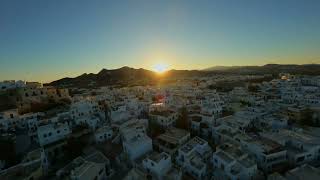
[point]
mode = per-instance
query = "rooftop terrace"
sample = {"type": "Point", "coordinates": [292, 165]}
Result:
{"type": "Point", "coordinates": [189, 146]}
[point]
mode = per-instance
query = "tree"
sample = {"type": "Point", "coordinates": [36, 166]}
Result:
{"type": "Point", "coordinates": [253, 88]}
{"type": "Point", "coordinates": [227, 112]}
{"type": "Point", "coordinates": [154, 99]}
{"type": "Point", "coordinates": [107, 112]}
{"type": "Point", "coordinates": [8, 151]}
{"type": "Point", "coordinates": [155, 129]}
{"type": "Point", "coordinates": [74, 148]}
{"type": "Point", "coordinates": [306, 118]}
{"type": "Point", "coordinates": [144, 115]}
{"type": "Point", "coordinates": [245, 103]}
{"type": "Point", "coordinates": [183, 121]}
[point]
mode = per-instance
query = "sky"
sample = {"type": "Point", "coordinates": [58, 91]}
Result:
{"type": "Point", "coordinates": [44, 40]}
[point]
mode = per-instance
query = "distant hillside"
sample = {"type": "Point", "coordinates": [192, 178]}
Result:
{"type": "Point", "coordinates": [307, 69]}
{"type": "Point", "coordinates": [121, 76]}
{"type": "Point", "coordinates": [221, 68]}
{"type": "Point", "coordinates": [127, 76]}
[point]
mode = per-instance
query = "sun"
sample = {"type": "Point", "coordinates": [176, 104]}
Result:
{"type": "Point", "coordinates": [160, 68]}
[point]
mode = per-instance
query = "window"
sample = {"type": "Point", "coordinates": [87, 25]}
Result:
{"type": "Point", "coordinates": [299, 159]}
{"type": "Point", "coordinates": [45, 135]}
{"type": "Point", "coordinates": [58, 131]}
{"type": "Point", "coordinates": [182, 158]}
{"type": "Point", "coordinates": [50, 133]}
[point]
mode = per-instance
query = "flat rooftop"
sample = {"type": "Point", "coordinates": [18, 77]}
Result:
{"type": "Point", "coordinates": [197, 162]}
{"type": "Point", "coordinates": [224, 157]}
{"type": "Point", "coordinates": [138, 140]}
{"type": "Point", "coordinates": [190, 145]}
{"type": "Point", "coordinates": [156, 157]}
{"type": "Point", "coordinates": [83, 168]}
{"type": "Point", "coordinates": [304, 172]}
{"type": "Point", "coordinates": [232, 150]}
{"type": "Point", "coordinates": [103, 129]}
{"type": "Point", "coordinates": [268, 146]}
{"type": "Point", "coordinates": [196, 118]}
{"type": "Point", "coordinates": [173, 135]}
{"type": "Point", "coordinates": [247, 162]}
{"type": "Point", "coordinates": [97, 157]}
{"type": "Point", "coordinates": [165, 113]}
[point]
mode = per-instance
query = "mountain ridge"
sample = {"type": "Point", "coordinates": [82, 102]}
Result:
{"type": "Point", "coordinates": [127, 75]}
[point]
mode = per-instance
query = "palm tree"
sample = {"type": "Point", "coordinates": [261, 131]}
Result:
{"type": "Point", "coordinates": [107, 112]}
{"type": "Point", "coordinates": [182, 121]}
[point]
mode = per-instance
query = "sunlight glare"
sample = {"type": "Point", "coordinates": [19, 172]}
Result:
{"type": "Point", "coordinates": [160, 68]}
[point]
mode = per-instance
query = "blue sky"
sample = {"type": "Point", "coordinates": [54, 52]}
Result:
{"type": "Point", "coordinates": [44, 40]}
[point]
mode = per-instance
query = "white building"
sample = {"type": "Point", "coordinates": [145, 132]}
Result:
{"type": "Point", "coordinates": [291, 97]}
{"type": "Point", "coordinates": [30, 120]}
{"type": "Point", "coordinates": [200, 126]}
{"type": "Point", "coordinates": [311, 81]}
{"type": "Point", "coordinates": [299, 173]}
{"type": "Point", "coordinates": [50, 133]}
{"type": "Point", "coordinates": [136, 146]}
{"type": "Point", "coordinates": [33, 166]}
{"type": "Point", "coordinates": [303, 172]}
{"type": "Point", "coordinates": [301, 147]}
{"type": "Point", "coordinates": [91, 121]}
{"type": "Point", "coordinates": [227, 129]}
{"type": "Point", "coordinates": [81, 169]}
{"type": "Point", "coordinates": [171, 140]}
{"type": "Point", "coordinates": [157, 164]}
{"type": "Point", "coordinates": [270, 155]}
{"type": "Point", "coordinates": [120, 114]}
{"type": "Point", "coordinates": [272, 121]}
{"type": "Point", "coordinates": [193, 157]}
{"type": "Point", "coordinates": [133, 127]}
{"type": "Point", "coordinates": [233, 162]}
{"type": "Point", "coordinates": [103, 134]}
{"type": "Point", "coordinates": [9, 119]}
{"type": "Point", "coordinates": [5, 85]}
{"type": "Point", "coordinates": [165, 118]}
{"type": "Point", "coordinates": [84, 108]}
{"type": "Point", "coordinates": [312, 100]}
{"type": "Point", "coordinates": [211, 109]}
{"type": "Point", "coordinates": [239, 94]}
